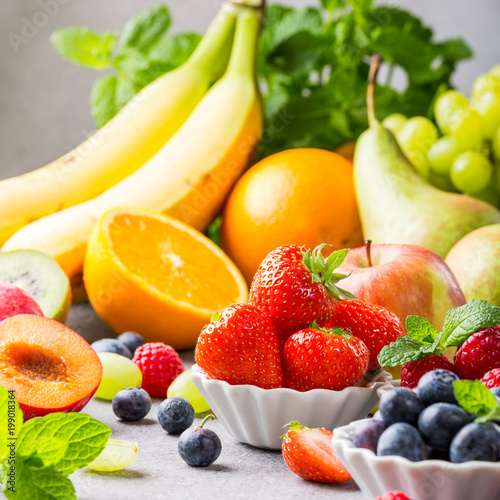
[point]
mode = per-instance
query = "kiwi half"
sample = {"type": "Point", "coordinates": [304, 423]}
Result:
{"type": "Point", "coordinates": [40, 276]}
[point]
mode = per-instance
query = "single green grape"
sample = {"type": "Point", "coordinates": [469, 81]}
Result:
{"type": "Point", "coordinates": [117, 455]}
{"type": "Point", "coordinates": [467, 127]}
{"type": "Point", "coordinates": [489, 195]}
{"type": "Point", "coordinates": [446, 105]}
{"type": "Point", "coordinates": [183, 387]}
{"type": "Point", "coordinates": [442, 154]}
{"type": "Point", "coordinates": [488, 106]}
{"type": "Point", "coordinates": [471, 172]}
{"type": "Point", "coordinates": [415, 139]}
{"type": "Point", "coordinates": [118, 372]}
{"type": "Point", "coordinates": [442, 182]}
{"type": "Point", "coordinates": [496, 177]}
{"type": "Point", "coordinates": [484, 84]}
{"type": "Point", "coordinates": [495, 143]}
{"type": "Point", "coordinates": [395, 123]}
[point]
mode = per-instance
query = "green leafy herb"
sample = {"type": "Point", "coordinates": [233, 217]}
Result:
{"type": "Point", "coordinates": [84, 46]}
{"type": "Point", "coordinates": [474, 397]}
{"type": "Point", "coordinates": [46, 451]}
{"type": "Point", "coordinates": [140, 55]}
{"type": "Point", "coordinates": [313, 67]}
{"type": "Point", "coordinates": [461, 322]}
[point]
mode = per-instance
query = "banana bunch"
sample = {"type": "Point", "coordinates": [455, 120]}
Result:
{"type": "Point", "coordinates": [188, 177]}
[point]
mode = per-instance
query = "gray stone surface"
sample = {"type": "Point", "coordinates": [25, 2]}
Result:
{"type": "Point", "coordinates": [241, 472]}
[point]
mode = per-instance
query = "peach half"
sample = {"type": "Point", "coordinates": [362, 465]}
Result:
{"type": "Point", "coordinates": [49, 366]}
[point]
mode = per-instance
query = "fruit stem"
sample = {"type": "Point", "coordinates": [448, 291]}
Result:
{"type": "Point", "coordinates": [213, 52]}
{"type": "Point", "coordinates": [368, 246]}
{"type": "Point", "coordinates": [243, 56]}
{"type": "Point", "coordinates": [375, 63]}
{"type": "Point", "coordinates": [204, 421]}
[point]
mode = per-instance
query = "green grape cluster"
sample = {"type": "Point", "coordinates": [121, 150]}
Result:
{"type": "Point", "coordinates": [463, 154]}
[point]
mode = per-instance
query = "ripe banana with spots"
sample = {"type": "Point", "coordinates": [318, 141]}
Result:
{"type": "Point", "coordinates": [125, 143]}
{"type": "Point", "coordinates": [189, 178]}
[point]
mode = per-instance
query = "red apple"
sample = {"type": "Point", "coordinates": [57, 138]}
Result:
{"type": "Point", "coordinates": [49, 367]}
{"type": "Point", "coordinates": [14, 300]}
{"type": "Point", "coordinates": [406, 279]}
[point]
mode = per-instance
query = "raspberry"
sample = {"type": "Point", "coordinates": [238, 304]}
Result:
{"type": "Point", "coordinates": [479, 354]}
{"type": "Point", "coordinates": [492, 378]}
{"type": "Point", "coordinates": [160, 366]}
{"type": "Point", "coordinates": [394, 495]}
{"type": "Point", "coordinates": [412, 372]}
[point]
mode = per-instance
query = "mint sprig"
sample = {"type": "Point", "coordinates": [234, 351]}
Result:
{"type": "Point", "coordinates": [462, 321]}
{"type": "Point", "coordinates": [138, 56]}
{"type": "Point", "coordinates": [423, 339]}
{"type": "Point", "coordinates": [47, 450]}
{"type": "Point", "coordinates": [474, 397]}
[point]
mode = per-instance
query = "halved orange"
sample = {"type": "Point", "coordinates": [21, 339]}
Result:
{"type": "Point", "coordinates": [157, 276]}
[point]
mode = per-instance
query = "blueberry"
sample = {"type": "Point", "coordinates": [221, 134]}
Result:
{"type": "Point", "coordinates": [112, 345]}
{"type": "Point", "coordinates": [403, 440]}
{"type": "Point", "coordinates": [400, 405]}
{"type": "Point", "coordinates": [439, 423]}
{"type": "Point", "coordinates": [131, 340]}
{"type": "Point", "coordinates": [476, 442]}
{"type": "Point", "coordinates": [437, 387]}
{"type": "Point", "coordinates": [131, 404]}
{"type": "Point", "coordinates": [199, 447]}
{"type": "Point", "coordinates": [495, 391]}
{"type": "Point", "coordinates": [367, 434]}
{"type": "Point", "coordinates": [175, 415]}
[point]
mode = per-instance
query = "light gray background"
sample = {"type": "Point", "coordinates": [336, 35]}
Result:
{"type": "Point", "coordinates": [44, 109]}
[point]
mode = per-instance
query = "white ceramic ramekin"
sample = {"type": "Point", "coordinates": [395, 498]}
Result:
{"type": "Point", "coordinates": [426, 480]}
{"type": "Point", "coordinates": [256, 416]}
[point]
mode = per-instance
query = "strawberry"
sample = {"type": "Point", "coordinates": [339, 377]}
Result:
{"type": "Point", "coordinates": [316, 358]}
{"type": "Point", "coordinates": [309, 454]}
{"type": "Point", "coordinates": [479, 354]}
{"type": "Point", "coordinates": [160, 366]}
{"type": "Point", "coordinates": [394, 495]}
{"type": "Point", "coordinates": [374, 325]}
{"type": "Point", "coordinates": [294, 287]}
{"type": "Point", "coordinates": [240, 346]}
{"type": "Point", "coordinates": [412, 372]}
{"type": "Point", "coordinates": [492, 378]}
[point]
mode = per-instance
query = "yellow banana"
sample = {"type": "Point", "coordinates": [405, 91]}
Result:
{"type": "Point", "coordinates": [123, 145]}
{"type": "Point", "coordinates": [188, 178]}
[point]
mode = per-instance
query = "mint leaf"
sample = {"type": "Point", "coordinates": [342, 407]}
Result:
{"type": "Point", "coordinates": [36, 483]}
{"type": "Point", "coordinates": [125, 90]}
{"type": "Point", "coordinates": [474, 397]}
{"type": "Point", "coordinates": [403, 350]}
{"type": "Point", "coordinates": [11, 420]}
{"type": "Point", "coordinates": [103, 99]}
{"type": "Point", "coordinates": [85, 438]}
{"type": "Point", "coordinates": [175, 50]}
{"type": "Point", "coordinates": [146, 28]}
{"type": "Point", "coordinates": [84, 46]}
{"type": "Point", "coordinates": [420, 329]}
{"type": "Point", "coordinates": [461, 322]}
{"type": "Point", "coordinates": [49, 450]}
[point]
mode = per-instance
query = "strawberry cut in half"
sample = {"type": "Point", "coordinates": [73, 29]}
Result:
{"type": "Point", "coordinates": [295, 287]}
{"type": "Point", "coordinates": [309, 454]}
{"type": "Point", "coordinates": [240, 346]}
{"type": "Point", "coordinates": [316, 358]}
{"type": "Point", "coordinates": [373, 324]}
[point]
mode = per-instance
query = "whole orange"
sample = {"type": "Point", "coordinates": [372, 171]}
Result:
{"type": "Point", "coordinates": [300, 196]}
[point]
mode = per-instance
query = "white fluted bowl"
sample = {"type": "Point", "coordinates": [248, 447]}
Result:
{"type": "Point", "coordinates": [426, 480]}
{"type": "Point", "coordinates": [256, 416]}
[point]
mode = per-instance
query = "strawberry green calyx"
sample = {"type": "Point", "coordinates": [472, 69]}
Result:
{"type": "Point", "coordinates": [215, 316]}
{"type": "Point", "coordinates": [323, 270]}
{"type": "Point", "coordinates": [295, 425]}
{"type": "Point", "coordinates": [336, 330]}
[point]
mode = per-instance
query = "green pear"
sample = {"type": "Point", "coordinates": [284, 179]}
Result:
{"type": "Point", "coordinates": [396, 205]}
{"type": "Point", "coordinates": [475, 261]}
